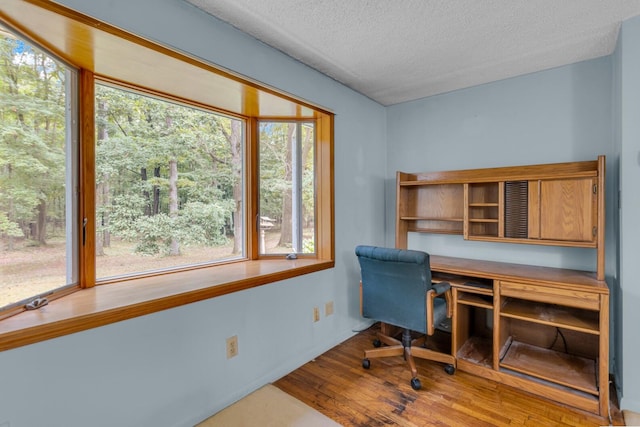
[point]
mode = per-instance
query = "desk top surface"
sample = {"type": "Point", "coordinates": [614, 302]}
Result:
{"type": "Point", "coordinates": [557, 277]}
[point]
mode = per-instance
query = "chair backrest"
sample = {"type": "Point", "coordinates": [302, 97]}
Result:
{"type": "Point", "coordinates": [394, 286]}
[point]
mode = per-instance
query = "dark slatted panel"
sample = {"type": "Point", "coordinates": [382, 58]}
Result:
{"type": "Point", "coordinates": [516, 207]}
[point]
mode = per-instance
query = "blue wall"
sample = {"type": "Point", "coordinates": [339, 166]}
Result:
{"type": "Point", "coordinates": [558, 115]}
{"type": "Point", "coordinates": [170, 368]}
{"type": "Point", "coordinates": [627, 107]}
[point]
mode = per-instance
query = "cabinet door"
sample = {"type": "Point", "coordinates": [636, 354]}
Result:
{"type": "Point", "coordinates": [568, 209]}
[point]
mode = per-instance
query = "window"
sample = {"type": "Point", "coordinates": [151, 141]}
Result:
{"type": "Point", "coordinates": [132, 166]}
{"type": "Point", "coordinates": [287, 188]}
{"type": "Point", "coordinates": [38, 164]}
{"type": "Point", "coordinates": [169, 182]}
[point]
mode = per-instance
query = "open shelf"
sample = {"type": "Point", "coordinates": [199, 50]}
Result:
{"type": "Point", "coordinates": [483, 205]}
{"type": "Point", "coordinates": [477, 350]}
{"type": "Point", "coordinates": [553, 315]}
{"type": "Point", "coordinates": [568, 370]}
{"type": "Point", "coordinates": [476, 300]}
{"type": "Point", "coordinates": [483, 228]}
{"type": "Point", "coordinates": [432, 208]}
{"type": "Point", "coordinates": [426, 218]}
{"type": "Point", "coordinates": [483, 209]}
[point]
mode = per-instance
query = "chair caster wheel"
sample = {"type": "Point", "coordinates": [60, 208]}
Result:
{"type": "Point", "coordinates": [366, 364]}
{"type": "Point", "coordinates": [450, 369]}
{"type": "Point", "coordinates": [415, 384]}
{"type": "Point", "coordinates": [377, 343]}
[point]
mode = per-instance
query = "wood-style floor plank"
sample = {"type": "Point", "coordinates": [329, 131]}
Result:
{"type": "Point", "coordinates": [336, 385]}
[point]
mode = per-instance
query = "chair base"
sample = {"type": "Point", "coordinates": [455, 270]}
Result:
{"type": "Point", "coordinates": [409, 348]}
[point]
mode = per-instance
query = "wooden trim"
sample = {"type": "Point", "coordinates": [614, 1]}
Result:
{"type": "Point", "coordinates": [252, 188]}
{"type": "Point", "coordinates": [501, 209]}
{"type": "Point", "coordinates": [103, 305]}
{"type": "Point", "coordinates": [509, 173]}
{"type": "Point", "coordinates": [540, 242]}
{"type": "Point", "coordinates": [553, 277]}
{"type": "Point", "coordinates": [325, 187]}
{"type": "Point", "coordinates": [603, 360]}
{"type": "Point", "coordinates": [87, 179]}
{"type": "Point", "coordinates": [500, 333]}
{"type": "Point", "coordinates": [601, 218]}
{"type": "Point", "coordinates": [534, 209]}
{"type": "Point", "coordinates": [145, 91]}
{"type": "Point", "coordinates": [431, 294]}
{"type": "Point", "coordinates": [465, 218]}
{"type": "Point", "coordinates": [402, 227]}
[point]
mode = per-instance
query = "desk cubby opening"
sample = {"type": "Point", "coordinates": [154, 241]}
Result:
{"type": "Point", "coordinates": [576, 372]}
{"type": "Point", "coordinates": [474, 322]}
{"type": "Point", "coordinates": [562, 356]}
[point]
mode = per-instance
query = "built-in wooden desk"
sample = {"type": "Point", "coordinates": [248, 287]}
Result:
{"type": "Point", "coordinates": [544, 330]}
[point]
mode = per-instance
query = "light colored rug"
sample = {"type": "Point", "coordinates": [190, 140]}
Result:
{"type": "Point", "coordinates": [269, 407]}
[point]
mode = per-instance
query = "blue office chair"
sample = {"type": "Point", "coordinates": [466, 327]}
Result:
{"type": "Point", "coordinates": [396, 289]}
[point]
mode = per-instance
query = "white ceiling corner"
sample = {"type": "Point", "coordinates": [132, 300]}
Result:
{"type": "Point", "coordinates": [397, 51]}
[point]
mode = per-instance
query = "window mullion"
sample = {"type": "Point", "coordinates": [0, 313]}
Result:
{"type": "Point", "coordinates": [252, 189]}
{"type": "Point", "coordinates": [296, 191]}
{"type": "Point", "coordinates": [86, 220]}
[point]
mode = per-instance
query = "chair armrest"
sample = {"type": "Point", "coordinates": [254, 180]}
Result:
{"type": "Point", "coordinates": [441, 287]}
{"type": "Point", "coordinates": [438, 289]}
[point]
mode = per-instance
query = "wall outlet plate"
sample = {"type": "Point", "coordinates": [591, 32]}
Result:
{"type": "Point", "coordinates": [232, 346]}
{"type": "Point", "coordinates": [328, 308]}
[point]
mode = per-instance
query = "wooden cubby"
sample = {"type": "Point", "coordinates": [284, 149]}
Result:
{"type": "Point", "coordinates": [432, 208]}
{"type": "Point", "coordinates": [544, 330]}
{"type": "Point", "coordinates": [473, 311]}
{"type": "Point", "coordinates": [483, 207]}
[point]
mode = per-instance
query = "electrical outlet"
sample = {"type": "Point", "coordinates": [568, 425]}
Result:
{"type": "Point", "coordinates": [328, 308]}
{"type": "Point", "coordinates": [232, 346]}
{"type": "Point", "coordinates": [316, 314]}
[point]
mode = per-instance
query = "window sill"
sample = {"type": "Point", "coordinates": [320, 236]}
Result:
{"type": "Point", "coordinates": [105, 304]}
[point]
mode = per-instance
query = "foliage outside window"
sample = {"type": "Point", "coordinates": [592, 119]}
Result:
{"type": "Point", "coordinates": [37, 163]}
{"type": "Point", "coordinates": [287, 187]}
{"type": "Point", "coordinates": [168, 184]}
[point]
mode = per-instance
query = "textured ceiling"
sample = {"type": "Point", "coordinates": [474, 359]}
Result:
{"type": "Point", "coordinates": [400, 50]}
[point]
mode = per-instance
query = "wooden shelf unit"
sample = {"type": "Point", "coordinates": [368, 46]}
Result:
{"type": "Point", "coordinates": [544, 330]}
{"type": "Point", "coordinates": [559, 204]}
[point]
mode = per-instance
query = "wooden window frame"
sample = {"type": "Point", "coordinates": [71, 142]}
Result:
{"type": "Point", "coordinates": [65, 33]}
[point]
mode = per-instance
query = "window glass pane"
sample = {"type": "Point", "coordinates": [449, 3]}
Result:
{"type": "Point", "coordinates": [168, 184]}
{"type": "Point", "coordinates": [287, 187]}
{"type": "Point", "coordinates": [37, 172]}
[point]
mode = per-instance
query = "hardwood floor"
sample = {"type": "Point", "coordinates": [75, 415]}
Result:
{"type": "Point", "coordinates": [336, 384]}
